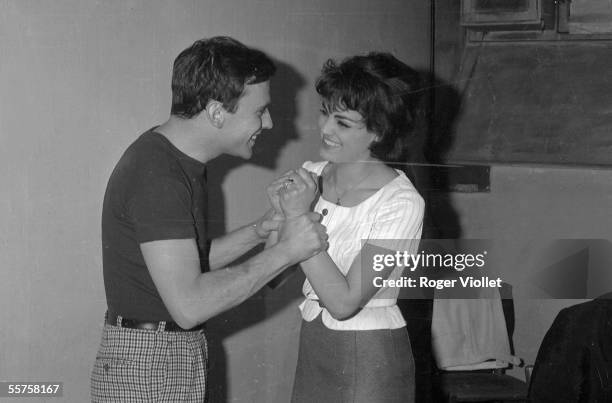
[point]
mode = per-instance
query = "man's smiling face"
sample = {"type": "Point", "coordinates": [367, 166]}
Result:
{"type": "Point", "coordinates": [242, 127]}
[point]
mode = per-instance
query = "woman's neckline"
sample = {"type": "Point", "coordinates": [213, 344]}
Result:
{"type": "Point", "coordinates": [400, 174]}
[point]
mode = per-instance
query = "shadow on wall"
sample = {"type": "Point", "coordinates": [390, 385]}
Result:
{"type": "Point", "coordinates": [286, 84]}
{"type": "Point", "coordinates": [442, 105]}
{"type": "Point", "coordinates": [444, 108]}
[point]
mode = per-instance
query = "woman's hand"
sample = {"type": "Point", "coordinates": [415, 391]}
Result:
{"type": "Point", "coordinates": [297, 193]}
{"type": "Point", "coordinates": [298, 186]}
{"type": "Point", "coordinates": [273, 191]}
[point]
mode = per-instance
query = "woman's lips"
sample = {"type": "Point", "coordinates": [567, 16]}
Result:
{"type": "Point", "coordinates": [330, 143]}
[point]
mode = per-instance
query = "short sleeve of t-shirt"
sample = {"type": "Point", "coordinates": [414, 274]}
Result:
{"type": "Point", "coordinates": [161, 209]}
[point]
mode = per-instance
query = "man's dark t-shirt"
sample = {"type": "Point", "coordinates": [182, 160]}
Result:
{"type": "Point", "coordinates": [155, 192]}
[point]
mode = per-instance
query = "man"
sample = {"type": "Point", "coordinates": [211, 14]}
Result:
{"type": "Point", "coordinates": [574, 362]}
{"type": "Point", "coordinates": [163, 279]}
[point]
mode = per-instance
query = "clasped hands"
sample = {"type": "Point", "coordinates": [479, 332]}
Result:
{"type": "Point", "coordinates": [299, 229]}
{"type": "Point", "coordinates": [293, 193]}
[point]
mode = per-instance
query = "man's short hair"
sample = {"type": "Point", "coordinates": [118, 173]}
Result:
{"type": "Point", "coordinates": [217, 69]}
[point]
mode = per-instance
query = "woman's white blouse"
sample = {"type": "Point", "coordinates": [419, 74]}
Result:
{"type": "Point", "coordinates": [394, 212]}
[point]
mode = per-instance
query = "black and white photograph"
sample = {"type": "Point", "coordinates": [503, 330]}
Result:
{"type": "Point", "coordinates": [306, 201]}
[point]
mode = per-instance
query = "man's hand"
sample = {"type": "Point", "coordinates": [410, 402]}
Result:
{"type": "Point", "coordinates": [270, 221]}
{"type": "Point", "coordinates": [302, 237]}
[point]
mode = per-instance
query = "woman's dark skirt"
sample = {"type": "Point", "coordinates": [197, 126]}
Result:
{"type": "Point", "coordinates": [343, 366]}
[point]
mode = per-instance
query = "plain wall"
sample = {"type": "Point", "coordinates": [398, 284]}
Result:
{"type": "Point", "coordinates": [529, 205]}
{"type": "Point", "coordinates": [79, 81]}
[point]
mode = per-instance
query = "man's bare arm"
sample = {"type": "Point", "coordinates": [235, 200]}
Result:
{"type": "Point", "coordinates": [224, 250]}
{"type": "Point", "coordinates": [193, 297]}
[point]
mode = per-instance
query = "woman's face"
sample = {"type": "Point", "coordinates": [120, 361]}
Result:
{"type": "Point", "coordinates": [344, 136]}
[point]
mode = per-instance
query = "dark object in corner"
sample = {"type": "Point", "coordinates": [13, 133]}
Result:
{"type": "Point", "coordinates": [574, 363]}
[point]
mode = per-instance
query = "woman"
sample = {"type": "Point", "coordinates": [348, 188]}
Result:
{"type": "Point", "coordinates": [354, 346]}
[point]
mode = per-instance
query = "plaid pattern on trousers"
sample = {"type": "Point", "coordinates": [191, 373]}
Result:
{"type": "Point", "coordinates": [134, 365]}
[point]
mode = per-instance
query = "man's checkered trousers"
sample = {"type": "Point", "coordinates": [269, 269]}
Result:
{"type": "Point", "coordinates": [136, 365]}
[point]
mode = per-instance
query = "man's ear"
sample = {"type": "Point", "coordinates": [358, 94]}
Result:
{"type": "Point", "coordinates": [215, 112]}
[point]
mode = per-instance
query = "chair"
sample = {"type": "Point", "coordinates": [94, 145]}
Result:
{"type": "Point", "coordinates": [485, 385]}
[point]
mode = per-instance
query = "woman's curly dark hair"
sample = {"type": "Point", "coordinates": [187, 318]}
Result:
{"type": "Point", "coordinates": [386, 92]}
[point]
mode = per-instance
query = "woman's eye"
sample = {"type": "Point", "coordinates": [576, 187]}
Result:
{"type": "Point", "coordinates": [342, 124]}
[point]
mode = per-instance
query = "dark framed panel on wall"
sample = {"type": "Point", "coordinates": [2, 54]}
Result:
{"type": "Point", "coordinates": [500, 12]}
{"type": "Point", "coordinates": [529, 94]}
